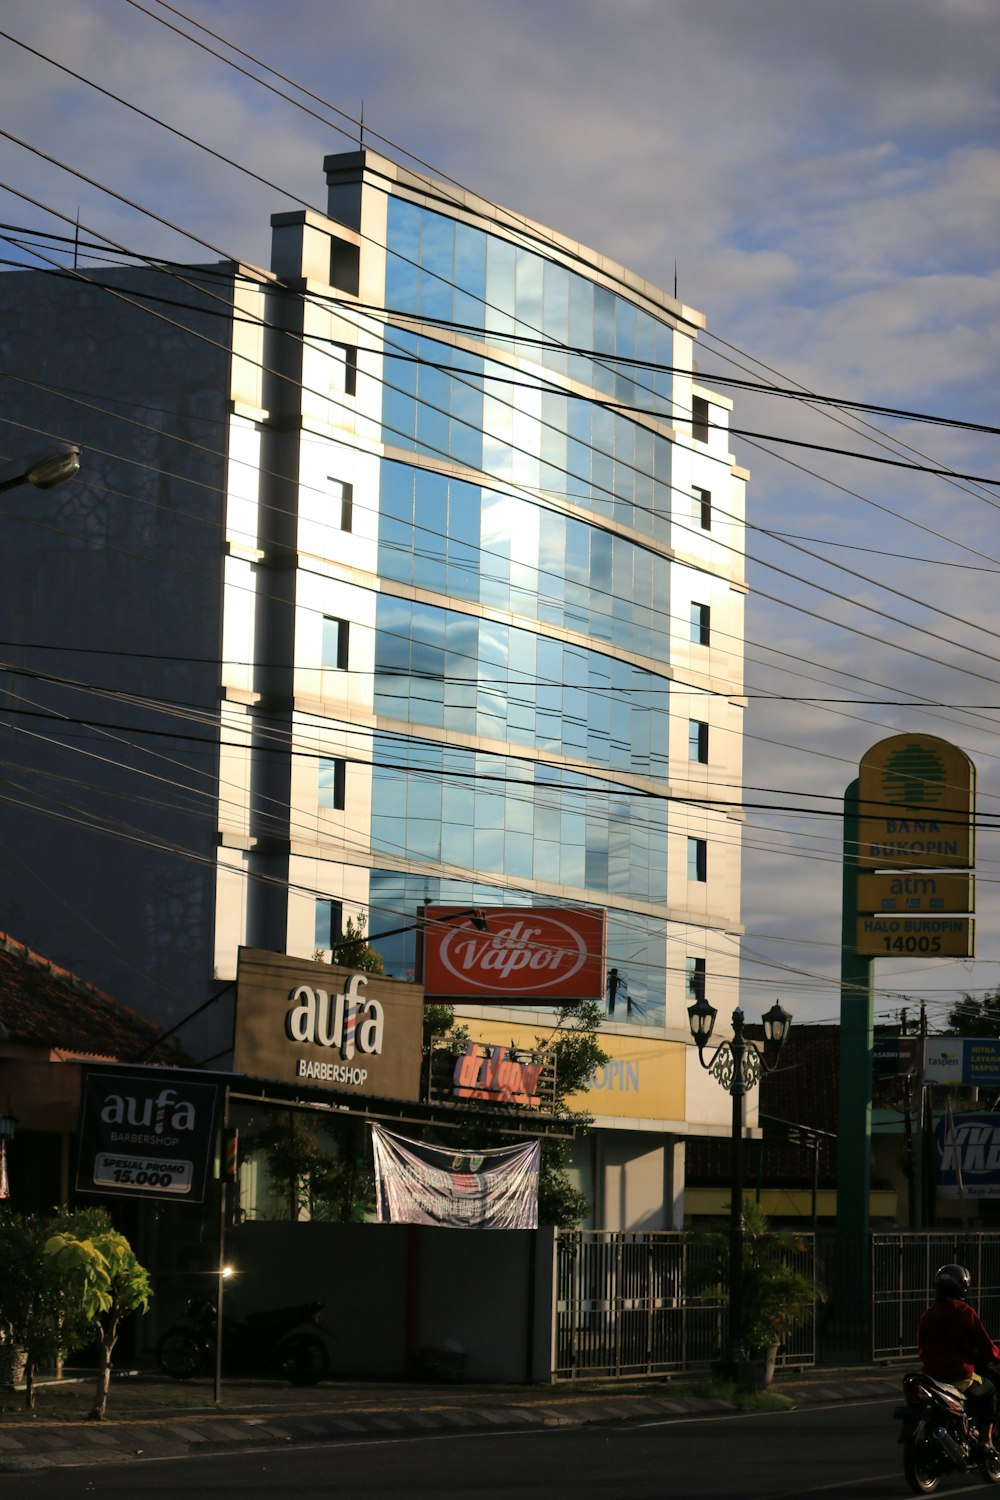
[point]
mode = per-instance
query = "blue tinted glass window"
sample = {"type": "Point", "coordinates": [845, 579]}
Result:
{"type": "Point", "coordinates": [698, 740]}
{"type": "Point", "coordinates": [470, 276]}
{"type": "Point", "coordinates": [329, 924]}
{"type": "Point", "coordinates": [500, 285]}
{"type": "Point", "coordinates": [335, 643]}
{"type": "Point", "coordinates": [332, 782]}
{"type": "Point", "coordinates": [437, 258]}
{"type": "Point", "coordinates": [402, 276]}
{"type": "Point", "coordinates": [528, 291]}
{"type": "Point", "coordinates": [697, 859]}
{"type": "Point", "coordinates": [604, 321]}
{"type": "Point", "coordinates": [399, 418]}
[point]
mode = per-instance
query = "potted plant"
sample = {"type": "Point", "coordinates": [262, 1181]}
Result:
{"type": "Point", "coordinates": [777, 1295]}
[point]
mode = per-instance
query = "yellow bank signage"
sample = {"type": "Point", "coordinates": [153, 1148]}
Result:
{"type": "Point", "coordinates": [916, 799]}
{"type": "Point", "coordinates": [924, 937]}
{"type": "Point", "coordinates": [915, 891]}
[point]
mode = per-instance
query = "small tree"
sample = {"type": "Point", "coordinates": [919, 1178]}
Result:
{"type": "Point", "coordinates": [31, 1309]}
{"type": "Point", "coordinates": [972, 1017]}
{"type": "Point", "coordinates": [99, 1280]}
{"type": "Point", "coordinates": [353, 952]}
{"type": "Point", "coordinates": [318, 1181]}
{"type": "Point", "coordinates": [578, 1053]}
{"type": "Point", "coordinates": [776, 1295]}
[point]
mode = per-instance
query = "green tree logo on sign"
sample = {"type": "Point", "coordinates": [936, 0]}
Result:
{"type": "Point", "coordinates": [914, 776]}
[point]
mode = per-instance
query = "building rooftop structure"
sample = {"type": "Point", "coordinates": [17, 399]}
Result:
{"type": "Point", "coordinates": [45, 1006]}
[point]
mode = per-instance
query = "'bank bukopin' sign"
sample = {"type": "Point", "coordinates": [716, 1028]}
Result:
{"type": "Point", "coordinates": [916, 806]}
{"type": "Point", "coordinates": [916, 798]}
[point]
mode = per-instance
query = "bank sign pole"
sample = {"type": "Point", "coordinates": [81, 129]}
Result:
{"type": "Point", "coordinates": [908, 892]}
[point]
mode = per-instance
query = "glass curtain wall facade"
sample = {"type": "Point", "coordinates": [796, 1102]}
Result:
{"type": "Point", "coordinates": [494, 664]}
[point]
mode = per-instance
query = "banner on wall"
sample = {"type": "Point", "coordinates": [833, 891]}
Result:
{"type": "Point", "coordinates": [420, 1184]}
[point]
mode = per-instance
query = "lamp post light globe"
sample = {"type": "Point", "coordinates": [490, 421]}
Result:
{"type": "Point", "coordinates": [701, 1019]}
{"type": "Point", "coordinates": [776, 1023]}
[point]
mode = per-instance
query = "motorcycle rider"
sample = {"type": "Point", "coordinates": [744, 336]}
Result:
{"type": "Point", "coordinates": [952, 1341]}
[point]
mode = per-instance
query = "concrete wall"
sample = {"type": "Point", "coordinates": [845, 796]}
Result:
{"type": "Point", "coordinates": [392, 1291]}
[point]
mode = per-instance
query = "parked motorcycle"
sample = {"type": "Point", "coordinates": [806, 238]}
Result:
{"type": "Point", "coordinates": [937, 1435]}
{"type": "Point", "coordinates": [286, 1341]}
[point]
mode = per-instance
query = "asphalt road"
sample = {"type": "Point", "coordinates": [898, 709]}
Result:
{"type": "Point", "coordinates": [841, 1452]}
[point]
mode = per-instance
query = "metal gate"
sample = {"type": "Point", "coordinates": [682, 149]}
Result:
{"type": "Point", "coordinates": [902, 1282]}
{"type": "Point", "coordinates": [641, 1303]}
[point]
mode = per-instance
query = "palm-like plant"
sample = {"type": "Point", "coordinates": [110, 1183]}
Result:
{"type": "Point", "coordinates": [777, 1295]}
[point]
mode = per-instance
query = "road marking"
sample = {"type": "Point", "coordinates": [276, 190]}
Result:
{"type": "Point", "coordinates": [842, 1484]}
{"type": "Point", "coordinates": [748, 1416]}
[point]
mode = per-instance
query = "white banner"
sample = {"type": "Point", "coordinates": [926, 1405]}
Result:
{"type": "Point", "coordinates": [420, 1184]}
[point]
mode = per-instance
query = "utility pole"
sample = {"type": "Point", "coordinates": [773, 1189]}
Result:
{"type": "Point", "coordinates": [925, 1132]}
{"type": "Point", "coordinates": [855, 1083]}
{"type": "Point", "coordinates": [912, 1166]}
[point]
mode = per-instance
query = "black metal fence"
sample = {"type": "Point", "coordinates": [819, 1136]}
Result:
{"type": "Point", "coordinates": [635, 1304]}
{"type": "Point", "coordinates": [902, 1280]}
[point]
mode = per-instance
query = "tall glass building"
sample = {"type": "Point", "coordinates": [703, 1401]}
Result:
{"type": "Point", "coordinates": [505, 558]}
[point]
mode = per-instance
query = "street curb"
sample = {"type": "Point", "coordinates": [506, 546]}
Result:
{"type": "Point", "coordinates": [78, 1444]}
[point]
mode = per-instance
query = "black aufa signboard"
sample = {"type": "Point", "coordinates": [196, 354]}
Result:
{"type": "Point", "coordinates": [146, 1132]}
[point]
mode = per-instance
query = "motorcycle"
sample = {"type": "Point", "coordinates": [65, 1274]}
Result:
{"type": "Point", "coordinates": [938, 1435]}
{"type": "Point", "coordinates": [288, 1341]}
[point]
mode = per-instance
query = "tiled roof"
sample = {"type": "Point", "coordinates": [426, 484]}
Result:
{"type": "Point", "coordinates": [46, 1006]}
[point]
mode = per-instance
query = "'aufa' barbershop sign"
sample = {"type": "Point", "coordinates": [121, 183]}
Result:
{"type": "Point", "coordinates": [331, 1028]}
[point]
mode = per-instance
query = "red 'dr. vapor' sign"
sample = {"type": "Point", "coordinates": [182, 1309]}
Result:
{"type": "Point", "coordinates": [528, 955]}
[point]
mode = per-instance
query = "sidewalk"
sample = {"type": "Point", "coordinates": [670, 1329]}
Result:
{"type": "Point", "coordinates": [153, 1417]}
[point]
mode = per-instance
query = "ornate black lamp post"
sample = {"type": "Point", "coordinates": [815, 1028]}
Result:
{"type": "Point", "coordinates": [737, 1065]}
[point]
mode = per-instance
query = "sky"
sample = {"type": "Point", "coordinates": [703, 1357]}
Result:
{"type": "Point", "coordinates": [823, 179]}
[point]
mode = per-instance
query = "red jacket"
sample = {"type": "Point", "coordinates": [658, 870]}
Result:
{"type": "Point", "coordinates": [952, 1341]}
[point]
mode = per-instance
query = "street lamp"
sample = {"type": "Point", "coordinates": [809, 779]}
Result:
{"type": "Point", "coordinates": [476, 916]}
{"type": "Point", "coordinates": [737, 1065]}
{"type": "Point", "coordinates": [45, 473]}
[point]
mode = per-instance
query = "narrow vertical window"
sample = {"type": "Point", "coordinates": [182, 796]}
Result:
{"type": "Point", "coordinates": [342, 499]}
{"type": "Point", "coordinates": [329, 923]}
{"type": "Point", "coordinates": [332, 783]}
{"type": "Point", "coordinates": [344, 375]}
{"type": "Point", "coordinates": [701, 623]}
{"type": "Point", "coordinates": [335, 642]}
{"type": "Point", "coordinates": [694, 978]}
{"type": "Point", "coordinates": [703, 508]}
{"type": "Point", "coordinates": [699, 419]}
{"type": "Point", "coordinates": [697, 859]}
{"type": "Point", "coordinates": [698, 741]}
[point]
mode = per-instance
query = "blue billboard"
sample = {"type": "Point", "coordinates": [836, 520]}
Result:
{"type": "Point", "coordinates": [967, 1152]}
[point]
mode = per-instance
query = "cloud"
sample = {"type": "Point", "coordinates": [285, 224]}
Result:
{"type": "Point", "coordinates": [824, 178]}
